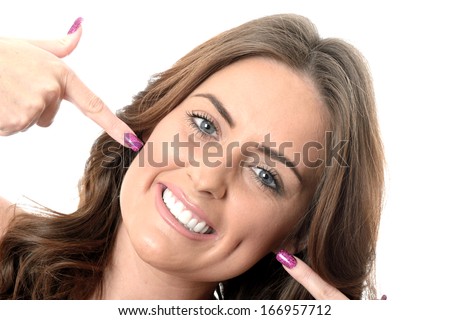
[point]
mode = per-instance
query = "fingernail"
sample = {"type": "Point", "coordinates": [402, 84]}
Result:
{"type": "Point", "coordinates": [286, 259]}
{"type": "Point", "coordinates": [76, 25]}
{"type": "Point", "coordinates": [133, 142]}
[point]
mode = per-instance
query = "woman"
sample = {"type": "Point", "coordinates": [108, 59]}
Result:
{"type": "Point", "coordinates": [262, 140]}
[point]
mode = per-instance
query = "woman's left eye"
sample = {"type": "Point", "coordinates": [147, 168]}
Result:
{"type": "Point", "coordinates": [266, 177]}
{"type": "Point", "coordinates": [205, 126]}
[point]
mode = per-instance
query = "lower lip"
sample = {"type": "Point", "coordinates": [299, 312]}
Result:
{"type": "Point", "coordinates": [173, 222]}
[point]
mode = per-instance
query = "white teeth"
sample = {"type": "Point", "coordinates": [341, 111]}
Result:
{"type": "Point", "coordinates": [199, 227]}
{"type": "Point", "coordinates": [206, 228]}
{"type": "Point", "coordinates": [192, 223]}
{"type": "Point", "coordinates": [177, 209]}
{"type": "Point", "coordinates": [183, 215]}
{"type": "Point", "coordinates": [168, 197]}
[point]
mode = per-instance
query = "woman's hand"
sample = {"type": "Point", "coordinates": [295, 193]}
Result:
{"type": "Point", "coordinates": [312, 282]}
{"type": "Point", "coordinates": [34, 80]}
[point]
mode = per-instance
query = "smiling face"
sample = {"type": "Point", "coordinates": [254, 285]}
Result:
{"type": "Point", "coordinates": [205, 199]}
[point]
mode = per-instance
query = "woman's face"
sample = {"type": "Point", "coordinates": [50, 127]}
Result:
{"type": "Point", "coordinates": [211, 193]}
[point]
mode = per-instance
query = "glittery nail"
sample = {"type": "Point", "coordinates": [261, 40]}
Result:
{"type": "Point", "coordinates": [286, 259]}
{"type": "Point", "coordinates": [132, 142]}
{"type": "Point", "coordinates": [75, 25]}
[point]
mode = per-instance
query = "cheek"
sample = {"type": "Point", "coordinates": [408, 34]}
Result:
{"type": "Point", "coordinates": [168, 145]}
{"type": "Point", "coordinates": [140, 220]}
{"type": "Point", "coordinates": [265, 224]}
{"type": "Point", "coordinates": [133, 188]}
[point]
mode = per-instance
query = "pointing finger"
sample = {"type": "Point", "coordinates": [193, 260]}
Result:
{"type": "Point", "coordinates": [301, 272]}
{"type": "Point", "coordinates": [94, 108]}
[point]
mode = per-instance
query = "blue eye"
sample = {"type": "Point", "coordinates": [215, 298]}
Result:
{"type": "Point", "coordinates": [204, 125]}
{"type": "Point", "coordinates": [265, 177]}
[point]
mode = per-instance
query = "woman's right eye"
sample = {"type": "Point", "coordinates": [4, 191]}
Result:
{"type": "Point", "coordinates": [204, 125]}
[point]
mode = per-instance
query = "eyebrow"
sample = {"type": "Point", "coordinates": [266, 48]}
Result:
{"type": "Point", "coordinates": [219, 106]}
{"type": "Point", "coordinates": [274, 154]}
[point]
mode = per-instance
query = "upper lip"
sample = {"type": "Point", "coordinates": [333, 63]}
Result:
{"type": "Point", "coordinates": [188, 203]}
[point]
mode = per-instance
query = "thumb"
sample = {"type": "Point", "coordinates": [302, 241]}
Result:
{"type": "Point", "coordinates": [63, 46]}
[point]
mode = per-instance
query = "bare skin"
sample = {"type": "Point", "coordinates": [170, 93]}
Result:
{"type": "Point", "coordinates": [34, 81]}
{"type": "Point", "coordinates": [59, 83]}
{"type": "Point", "coordinates": [155, 257]}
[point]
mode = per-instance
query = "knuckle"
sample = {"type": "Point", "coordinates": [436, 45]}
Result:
{"type": "Point", "coordinates": [51, 91]}
{"type": "Point", "coordinates": [324, 293]}
{"type": "Point", "coordinates": [62, 72]}
{"type": "Point", "coordinates": [90, 103]}
{"type": "Point", "coordinates": [328, 292]}
{"type": "Point", "coordinates": [306, 276]}
{"type": "Point", "coordinates": [14, 124]}
{"type": "Point", "coordinates": [45, 123]}
{"type": "Point", "coordinates": [60, 67]}
{"type": "Point", "coordinates": [32, 109]}
{"type": "Point", "coordinates": [95, 104]}
{"type": "Point", "coordinates": [115, 125]}
{"type": "Point", "coordinates": [66, 74]}
{"type": "Point", "coordinates": [5, 133]}
{"type": "Point", "coordinates": [4, 129]}
{"type": "Point", "coordinates": [48, 115]}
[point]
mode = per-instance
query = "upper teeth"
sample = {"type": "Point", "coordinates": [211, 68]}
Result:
{"type": "Point", "coordinates": [185, 216]}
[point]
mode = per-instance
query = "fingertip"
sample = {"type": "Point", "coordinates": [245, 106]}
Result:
{"type": "Point", "coordinates": [132, 141]}
{"type": "Point", "coordinates": [75, 26]}
{"type": "Point", "coordinates": [70, 41]}
{"type": "Point", "coordinates": [286, 259]}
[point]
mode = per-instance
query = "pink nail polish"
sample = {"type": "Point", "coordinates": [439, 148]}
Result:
{"type": "Point", "coordinates": [133, 142]}
{"type": "Point", "coordinates": [76, 25]}
{"type": "Point", "coordinates": [286, 259]}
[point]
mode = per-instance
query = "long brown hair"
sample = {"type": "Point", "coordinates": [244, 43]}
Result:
{"type": "Point", "coordinates": [64, 256]}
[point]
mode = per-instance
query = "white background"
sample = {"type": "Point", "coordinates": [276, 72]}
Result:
{"type": "Point", "coordinates": [125, 42]}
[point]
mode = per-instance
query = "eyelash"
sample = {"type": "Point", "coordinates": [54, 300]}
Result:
{"type": "Point", "coordinates": [202, 115]}
{"type": "Point", "coordinates": [275, 177]}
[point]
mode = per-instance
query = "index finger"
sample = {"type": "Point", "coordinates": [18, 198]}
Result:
{"type": "Point", "coordinates": [94, 108]}
{"type": "Point", "coordinates": [300, 271]}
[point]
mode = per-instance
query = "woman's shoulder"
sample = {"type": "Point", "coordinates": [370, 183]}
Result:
{"type": "Point", "coordinates": [6, 214]}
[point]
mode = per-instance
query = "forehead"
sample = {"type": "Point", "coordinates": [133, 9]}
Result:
{"type": "Point", "coordinates": [264, 96]}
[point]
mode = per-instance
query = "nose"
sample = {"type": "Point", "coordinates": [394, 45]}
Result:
{"type": "Point", "coordinates": [209, 181]}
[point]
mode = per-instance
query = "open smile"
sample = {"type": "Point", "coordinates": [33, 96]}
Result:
{"type": "Point", "coordinates": [185, 216]}
{"type": "Point", "coordinates": [179, 212]}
